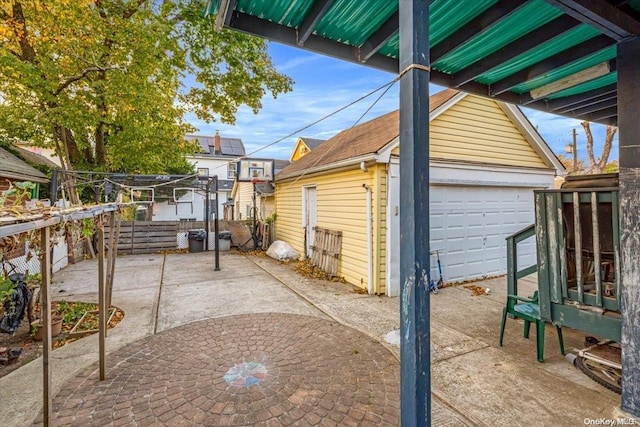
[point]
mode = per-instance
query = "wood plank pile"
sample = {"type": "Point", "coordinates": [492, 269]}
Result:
{"type": "Point", "coordinates": [325, 252]}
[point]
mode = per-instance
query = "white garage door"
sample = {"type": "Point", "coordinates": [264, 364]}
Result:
{"type": "Point", "coordinates": [469, 225]}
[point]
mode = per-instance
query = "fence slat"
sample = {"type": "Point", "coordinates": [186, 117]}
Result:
{"type": "Point", "coordinates": [143, 237]}
{"type": "Point", "coordinates": [597, 263]}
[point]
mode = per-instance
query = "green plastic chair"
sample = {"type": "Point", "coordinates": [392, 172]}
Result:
{"type": "Point", "coordinates": [528, 309]}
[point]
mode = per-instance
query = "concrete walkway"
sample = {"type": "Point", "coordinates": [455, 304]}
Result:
{"type": "Point", "coordinates": [307, 352]}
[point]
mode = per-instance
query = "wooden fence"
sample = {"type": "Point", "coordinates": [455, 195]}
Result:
{"type": "Point", "coordinates": [145, 237]}
{"type": "Point", "coordinates": [325, 252]}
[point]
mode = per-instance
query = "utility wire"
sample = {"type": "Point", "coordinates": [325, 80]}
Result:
{"type": "Point", "coordinates": [387, 87]}
{"type": "Point", "coordinates": [384, 87]}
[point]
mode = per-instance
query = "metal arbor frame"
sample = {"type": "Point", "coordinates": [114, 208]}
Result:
{"type": "Point", "coordinates": [105, 281]}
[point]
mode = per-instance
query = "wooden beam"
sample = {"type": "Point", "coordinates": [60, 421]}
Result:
{"type": "Point", "coordinates": [225, 11]}
{"type": "Point", "coordinates": [608, 19]}
{"type": "Point", "coordinates": [562, 105]}
{"type": "Point", "coordinates": [595, 107]}
{"type": "Point", "coordinates": [378, 39]}
{"type": "Point", "coordinates": [529, 41]}
{"type": "Point", "coordinates": [289, 36]}
{"type": "Point", "coordinates": [599, 115]}
{"type": "Point", "coordinates": [415, 354]}
{"type": "Point", "coordinates": [497, 12]}
{"type": "Point", "coordinates": [318, 10]}
{"type": "Point", "coordinates": [554, 62]}
{"type": "Point", "coordinates": [629, 158]}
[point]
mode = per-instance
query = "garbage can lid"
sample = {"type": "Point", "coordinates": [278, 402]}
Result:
{"type": "Point", "coordinates": [197, 232]}
{"type": "Point", "coordinates": [224, 235]}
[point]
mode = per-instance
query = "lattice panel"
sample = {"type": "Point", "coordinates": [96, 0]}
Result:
{"type": "Point", "coordinates": [182, 240]}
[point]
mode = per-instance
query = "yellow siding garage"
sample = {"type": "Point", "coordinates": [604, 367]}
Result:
{"type": "Point", "coordinates": [341, 206]}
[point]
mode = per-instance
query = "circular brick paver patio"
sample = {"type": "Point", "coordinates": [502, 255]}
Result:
{"type": "Point", "coordinates": [257, 369]}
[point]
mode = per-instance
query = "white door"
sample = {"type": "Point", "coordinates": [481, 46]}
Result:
{"type": "Point", "coordinates": [393, 230]}
{"type": "Point", "coordinates": [469, 225]}
{"type": "Point", "coordinates": [309, 215]}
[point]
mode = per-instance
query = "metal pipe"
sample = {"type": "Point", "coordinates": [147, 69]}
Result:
{"type": "Point", "coordinates": [207, 213]}
{"type": "Point", "coordinates": [369, 241]}
{"type": "Point", "coordinates": [216, 227]}
{"type": "Point", "coordinates": [53, 187]}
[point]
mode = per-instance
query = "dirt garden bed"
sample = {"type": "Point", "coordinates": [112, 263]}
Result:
{"type": "Point", "coordinates": [79, 319]}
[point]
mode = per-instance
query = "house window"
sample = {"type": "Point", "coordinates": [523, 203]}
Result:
{"type": "Point", "coordinates": [232, 170]}
{"type": "Point", "coordinates": [203, 171]}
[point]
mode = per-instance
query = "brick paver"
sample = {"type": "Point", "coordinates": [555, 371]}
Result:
{"type": "Point", "coordinates": [255, 369]}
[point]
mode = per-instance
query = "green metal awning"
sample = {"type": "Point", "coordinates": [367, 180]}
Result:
{"type": "Point", "coordinates": [528, 52]}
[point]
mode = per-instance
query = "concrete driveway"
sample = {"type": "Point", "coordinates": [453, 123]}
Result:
{"type": "Point", "coordinates": [166, 297]}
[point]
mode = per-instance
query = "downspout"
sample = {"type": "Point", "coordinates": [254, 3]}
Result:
{"type": "Point", "coordinates": [369, 240]}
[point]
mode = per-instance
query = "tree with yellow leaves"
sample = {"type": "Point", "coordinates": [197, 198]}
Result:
{"type": "Point", "coordinates": [101, 81]}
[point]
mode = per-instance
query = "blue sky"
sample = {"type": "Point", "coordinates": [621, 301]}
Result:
{"type": "Point", "coordinates": [322, 85]}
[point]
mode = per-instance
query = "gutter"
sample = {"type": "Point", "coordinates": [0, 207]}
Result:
{"type": "Point", "coordinates": [353, 161]}
{"type": "Point", "coordinates": [369, 240]}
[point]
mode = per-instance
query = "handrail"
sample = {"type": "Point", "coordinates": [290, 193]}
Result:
{"type": "Point", "coordinates": [513, 274]}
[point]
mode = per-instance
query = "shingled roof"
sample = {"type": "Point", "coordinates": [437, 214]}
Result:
{"type": "Point", "coordinates": [228, 146]}
{"type": "Point", "coordinates": [35, 159]}
{"type": "Point", "coordinates": [367, 138]}
{"type": "Point", "coordinates": [312, 143]}
{"type": "Point", "coordinates": [15, 169]}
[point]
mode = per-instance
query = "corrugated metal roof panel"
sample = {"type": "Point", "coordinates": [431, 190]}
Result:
{"type": "Point", "coordinates": [283, 12]}
{"type": "Point", "coordinates": [543, 51]}
{"type": "Point", "coordinates": [562, 72]}
{"type": "Point", "coordinates": [445, 17]}
{"type": "Point", "coordinates": [353, 22]}
{"type": "Point", "coordinates": [610, 78]}
{"type": "Point", "coordinates": [526, 19]}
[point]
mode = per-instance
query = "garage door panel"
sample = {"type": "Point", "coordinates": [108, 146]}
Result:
{"type": "Point", "coordinates": [469, 226]}
{"type": "Point", "coordinates": [474, 244]}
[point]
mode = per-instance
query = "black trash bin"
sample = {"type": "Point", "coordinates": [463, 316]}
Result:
{"type": "Point", "coordinates": [196, 240]}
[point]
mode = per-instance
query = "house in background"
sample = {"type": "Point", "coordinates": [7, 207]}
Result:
{"type": "Point", "coordinates": [46, 156]}
{"type": "Point", "coordinates": [485, 161]}
{"type": "Point", "coordinates": [14, 169]}
{"type": "Point", "coordinates": [219, 157]}
{"type": "Point", "coordinates": [303, 146]}
{"type": "Point", "coordinates": [243, 191]}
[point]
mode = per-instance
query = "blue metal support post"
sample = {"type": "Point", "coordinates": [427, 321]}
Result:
{"type": "Point", "coordinates": [629, 157]}
{"type": "Point", "coordinates": [415, 368]}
